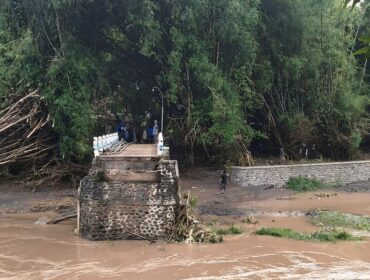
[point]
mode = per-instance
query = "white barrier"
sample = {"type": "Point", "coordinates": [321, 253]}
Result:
{"type": "Point", "coordinates": [104, 142]}
{"type": "Point", "coordinates": [160, 144]}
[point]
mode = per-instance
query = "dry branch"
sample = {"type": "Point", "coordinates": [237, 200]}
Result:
{"type": "Point", "coordinates": [27, 141]}
{"type": "Point", "coordinates": [189, 229]}
{"type": "Point", "coordinates": [23, 132]}
{"type": "Point", "coordinates": [61, 219]}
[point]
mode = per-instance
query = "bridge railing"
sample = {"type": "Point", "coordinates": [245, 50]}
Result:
{"type": "Point", "coordinates": [160, 144]}
{"type": "Point", "coordinates": [104, 142]}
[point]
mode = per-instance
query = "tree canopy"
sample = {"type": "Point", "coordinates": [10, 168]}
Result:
{"type": "Point", "coordinates": [234, 73]}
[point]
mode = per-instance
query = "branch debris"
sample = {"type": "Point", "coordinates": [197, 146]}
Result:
{"type": "Point", "coordinates": [28, 144]}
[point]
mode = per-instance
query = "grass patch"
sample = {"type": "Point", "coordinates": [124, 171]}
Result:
{"type": "Point", "coordinates": [192, 200]}
{"type": "Point", "coordinates": [304, 184]}
{"type": "Point", "coordinates": [230, 230]}
{"type": "Point", "coordinates": [336, 219]}
{"type": "Point", "coordinates": [331, 235]}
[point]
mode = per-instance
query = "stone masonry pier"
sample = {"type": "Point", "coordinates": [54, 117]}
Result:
{"type": "Point", "coordinates": [132, 195]}
{"type": "Point", "coordinates": [278, 175]}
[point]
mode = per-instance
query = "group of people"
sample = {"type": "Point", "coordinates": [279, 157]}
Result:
{"type": "Point", "coordinates": [308, 153]}
{"type": "Point", "coordinates": [305, 153]}
{"type": "Point", "coordinates": [130, 134]}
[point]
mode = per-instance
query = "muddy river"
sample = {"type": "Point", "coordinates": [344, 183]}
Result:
{"type": "Point", "coordinates": [29, 251]}
{"type": "Point", "coordinates": [35, 251]}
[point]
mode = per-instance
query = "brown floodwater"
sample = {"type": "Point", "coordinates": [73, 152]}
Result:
{"type": "Point", "coordinates": [31, 251]}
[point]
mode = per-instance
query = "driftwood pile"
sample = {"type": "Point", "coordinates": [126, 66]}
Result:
{"type": "Point", "coordinates": [23, 133]}
{"type": "Point", "coordinates": [28, 144]}
{"type": "Point", "coordinates": [189, 229]}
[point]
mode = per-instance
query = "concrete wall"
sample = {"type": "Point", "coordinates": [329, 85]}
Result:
{"type": "Point", "coordinates": [126, 207]}
{"type": "Point", "coordinates": [278, 175]}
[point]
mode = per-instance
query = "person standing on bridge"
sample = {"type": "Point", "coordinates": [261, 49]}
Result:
{"type": "Point", "coordinates": [155, 132]}
{"type": "Point", "coordinates": [120, 128]}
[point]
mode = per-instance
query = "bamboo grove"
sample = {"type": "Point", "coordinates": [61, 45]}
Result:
{"type": "Point", "coordinates": [235, 75]}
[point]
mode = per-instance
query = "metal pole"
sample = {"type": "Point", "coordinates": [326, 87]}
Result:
{"type": "Point", "coordinates": [162, 115]}
{"type": "Point", "coordinates": [162, 106]}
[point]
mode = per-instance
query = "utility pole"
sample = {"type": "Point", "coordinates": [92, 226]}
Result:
{"type": "Point", "coordinates": [153, 89]}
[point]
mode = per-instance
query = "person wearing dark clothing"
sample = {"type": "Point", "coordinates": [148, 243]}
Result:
{"type": "Point", "coordinates": [303, 152]}
{"type": "Point", "coordinates": [282, 156]}
{"type": "Point", "coordinates": [223, 182]}
{"type": "Point", "coordinates": [313, 152]}
{"type": "Point", "coordinates": [150, 135]}
{"type": "Point", "coordinates": [120, 128]}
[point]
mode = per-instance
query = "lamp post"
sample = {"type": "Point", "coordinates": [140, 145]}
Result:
{"type": "Point", "coordinates": [154, 88]}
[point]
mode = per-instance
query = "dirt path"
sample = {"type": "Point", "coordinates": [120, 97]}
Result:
{"type": "Point", "coordinates": [205, 183]}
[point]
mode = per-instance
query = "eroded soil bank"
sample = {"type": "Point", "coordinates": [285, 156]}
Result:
{"type": "Point", "coordinates": [36, 251]}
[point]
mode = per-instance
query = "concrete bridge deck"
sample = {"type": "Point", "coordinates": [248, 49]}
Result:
{"type": "Point", "coordinates": [135, 157]}
{"type": "Point", "coordinates": [135, 151]}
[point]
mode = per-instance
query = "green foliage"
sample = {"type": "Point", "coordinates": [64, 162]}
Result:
{"type": "Point", "coordinates": [365, 50]}
{"type": "Point", "coordinates": [336, 219]}
{"type": "Point", "coordinates": [304, 184]}
{"type": "Point", "coordinates": [316, 79]}
{"type": "Point", "coordinates": [331, 235]}
{"type": "Point", "coordinates": [193, 201]}
{"type": "Point", "coordinates": [212, 44]}
{"type": "Point", "coordinates": [20, 63]}
{"type": "Point", "coordinates": [231, 71]}
{"type": "Point", "coordinates": [69, 87]}
{"type": "Point", "coordinates": [230, 230]}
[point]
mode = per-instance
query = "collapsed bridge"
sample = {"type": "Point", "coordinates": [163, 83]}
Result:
{"type": "Point", "coordinates": [133, 194]}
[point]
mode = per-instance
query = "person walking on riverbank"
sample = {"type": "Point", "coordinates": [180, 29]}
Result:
{"type": "Point", "coordinates": [223, 182]}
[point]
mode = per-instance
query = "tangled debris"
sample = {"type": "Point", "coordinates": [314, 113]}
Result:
{"type": "Point", "coordinates": [28, 144]}
{"type": "Point", "coordinates": [23, 130]}
{"type": "Point", "coordinates": [189, 229]}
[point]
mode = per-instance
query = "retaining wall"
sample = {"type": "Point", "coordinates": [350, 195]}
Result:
{"type": "Point", "coordinates": [278, 175]}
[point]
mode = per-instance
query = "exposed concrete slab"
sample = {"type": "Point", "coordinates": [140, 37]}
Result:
{"type": "Point", "coordinates": [141, 164]}
{"type": "Point", "coordinates": [136, 151]}
{"type": "Point", "coordinates": [133, 176]}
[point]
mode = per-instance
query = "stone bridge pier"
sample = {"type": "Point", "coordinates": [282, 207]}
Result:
{"type": "Point", "coordinates": [130, 195]}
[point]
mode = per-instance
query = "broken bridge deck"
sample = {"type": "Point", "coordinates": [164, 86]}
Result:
{"type": "Point", "coordinates": [136, 151]}
{"type": "Point", "coordinates": [138, 157]}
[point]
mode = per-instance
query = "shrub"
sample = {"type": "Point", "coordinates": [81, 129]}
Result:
{"type": "Point", "coordinates": [304, 184]}
{"type": "Point", "coordinates": [330, 235]}
{"type": "Point", "coordinates": [230, 230]}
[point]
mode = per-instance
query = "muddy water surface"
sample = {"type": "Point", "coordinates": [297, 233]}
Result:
{"type": "Point", "coordinates": [29, 251]}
